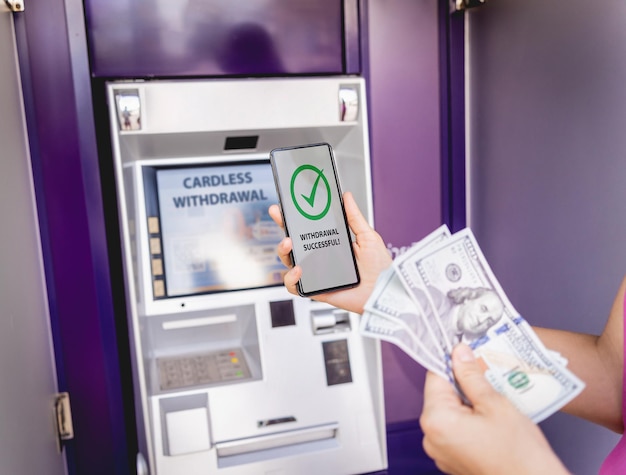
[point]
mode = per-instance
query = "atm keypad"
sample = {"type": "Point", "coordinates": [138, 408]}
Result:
{"type": "Point", "coordinates": [202, 369]}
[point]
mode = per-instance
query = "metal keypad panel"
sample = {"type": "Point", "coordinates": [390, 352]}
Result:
{"type": "Point", "coordinates": [202, 369]}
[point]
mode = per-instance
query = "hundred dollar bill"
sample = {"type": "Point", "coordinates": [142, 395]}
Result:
{"type": "Point", "coordinates": [469, 305]}
{"type": "Point", "coordinates": [456, 288]}
{"type": "Point", "coordinates": [397, 333]}
{"type": "Point", "coordinates": [391, 300]}
{"type": "Point", "coordinates": [519, 367]}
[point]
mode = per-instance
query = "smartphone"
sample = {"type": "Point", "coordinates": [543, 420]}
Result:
{"type": "Point", "coordinates": [314, 217]}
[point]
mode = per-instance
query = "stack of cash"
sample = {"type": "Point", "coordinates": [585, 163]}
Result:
{"type": "Point", "coordinates": [442, 292]}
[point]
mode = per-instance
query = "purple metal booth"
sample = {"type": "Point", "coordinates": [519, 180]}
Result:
{"type": "Point", "coordinates": [406, 50]}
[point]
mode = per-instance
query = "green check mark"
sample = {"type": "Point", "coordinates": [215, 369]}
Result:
{"type": "Point", "coordinates": [311, 199]}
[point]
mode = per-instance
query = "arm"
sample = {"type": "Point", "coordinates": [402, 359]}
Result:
{"type": "Point", "coordinates": [370, 251]}
{"type": "Point", "coordinates": [598, 361]}
{"type": "Point", "coordinates": [492, 433]}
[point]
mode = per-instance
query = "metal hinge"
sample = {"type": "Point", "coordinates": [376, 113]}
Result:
{"type": "Point", "coordinates": [15, 5]}
{"type": "Point", "coordinates": [63, 418]}
{"type": "Point", "coordinates": [460, 5]}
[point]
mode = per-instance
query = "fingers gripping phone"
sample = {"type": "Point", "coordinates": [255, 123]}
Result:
{"type": "Point", "coordinates": [314, 217]}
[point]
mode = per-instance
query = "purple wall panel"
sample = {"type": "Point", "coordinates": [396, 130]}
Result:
{"type": "Point", "coordinates": [214, 37]}
{"type": "Point", "coordinates": [352, 44]}
{"type": "Point", "coordinates": [401, 65]}
{"type": "Point", "coordinates": [70, 207]}
{"type": "Point", "coordinates": [548, 169]}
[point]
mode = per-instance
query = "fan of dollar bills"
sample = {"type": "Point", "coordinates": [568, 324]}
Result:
{"type": "Point", "coordinates": [442, 292]}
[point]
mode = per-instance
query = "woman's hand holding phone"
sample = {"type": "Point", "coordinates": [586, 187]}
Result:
{"type": "Point", "coordinates": [370, 251]}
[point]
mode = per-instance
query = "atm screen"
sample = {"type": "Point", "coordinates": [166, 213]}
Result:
{"type": "Point", "coordinates": [209, 229]}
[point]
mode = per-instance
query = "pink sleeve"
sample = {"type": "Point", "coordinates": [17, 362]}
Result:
{"type": "Point", "coordinates": [615, 463]}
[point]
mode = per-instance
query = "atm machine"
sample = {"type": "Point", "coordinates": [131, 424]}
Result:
{"type": "Point", "coordinates": [234, 375]}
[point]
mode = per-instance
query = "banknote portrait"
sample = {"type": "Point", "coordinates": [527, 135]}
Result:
{"type": "Point", "coordinates": [467, 313]}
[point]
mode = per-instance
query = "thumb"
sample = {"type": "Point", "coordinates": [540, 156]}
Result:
{"type": "Point", "coordinates": [469, 374]}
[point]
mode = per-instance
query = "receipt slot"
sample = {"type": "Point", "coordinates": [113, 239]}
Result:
{"type": "Point", "coordinates": [232, 374]}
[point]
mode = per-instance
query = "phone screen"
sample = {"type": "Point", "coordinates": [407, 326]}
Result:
{"type": "Point", "coordinates": [314, 217]}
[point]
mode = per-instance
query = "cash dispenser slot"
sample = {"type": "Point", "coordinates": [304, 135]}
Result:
{"type": "Point", "coordinates": [332, 320]}
{"type": "Point", "coordinates": [279, 444]}
{"type": "Point", "coordinates": [198, 322]}
{"type": "Point", "coordinates": [204, 348]}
